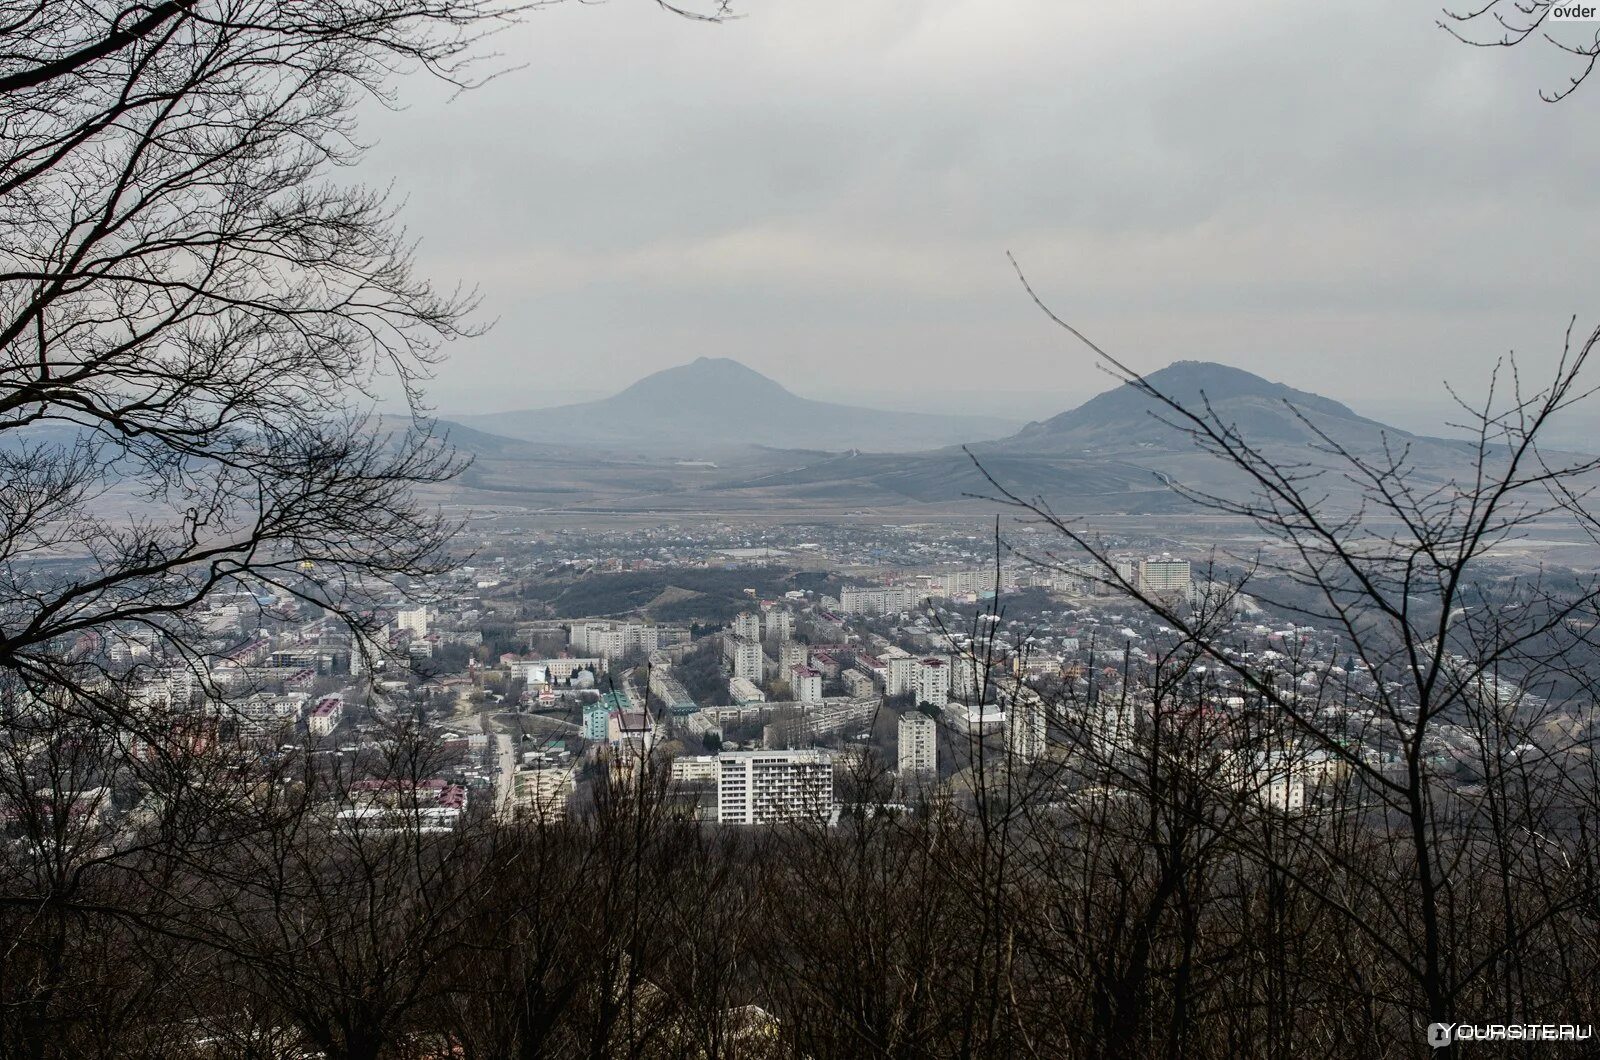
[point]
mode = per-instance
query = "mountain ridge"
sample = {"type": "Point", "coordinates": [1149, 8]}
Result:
{"type": "Point", "coordinates": [1114, 454]}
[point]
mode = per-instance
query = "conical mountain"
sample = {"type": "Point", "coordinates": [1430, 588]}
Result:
{"type": "Point", "coordinates": [1264, 413]}
{"type": "Point", "coordinates": [716, 403]}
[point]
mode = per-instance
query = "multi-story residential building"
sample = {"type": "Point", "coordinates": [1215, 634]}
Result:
{"type": "Point", "coordinates": [325, 716]}
{"type": "Point", "coordinates": [1164, 575]}
{"type": "Point", "coordinates": [763, 787]}
{"type": "Point", "coordinates": [413, 620]}
{"type": "Point", "coordinates": [319, 657]}
{"type": "Point", "coordinates": [932, 681]}
{"type": "Point", "coordinates": [743, 655]}
{"type": "Point", "coordinates": [670, 693]}
{"type": "Point", "coordinates": [608, 638]}
{"type": "Point", "coordinates": [266, 714]}
{"type": "Point", "coordinates": [542, 794]}
{"type": "Point", "coordinates": [918, 750]}
{"type": "Point", "coordinates": [1276, 779]}
{"type": "Point", "coordinates": [857, 683]}
{"type": "Point", "coordinates": [1111, 724]}
{"type": "Point", "coordinates": [791, 653]}
{"type": "Point", "coordinates": [900, 674]}
{"type": "Point", "coordinates": [744, 691]}
{"type": "Point", "coordinates": [969, 676]}
{"type": "Point", "coordinates": [597, 718]}
{"type": "Point", "coordinates": [877, 600]}
{"type": "Point", "coordinates": [780, 624]}
{"type": "Point", "coordinates": [969, 582]}
{"type": "Point", "coordinates": [694, 769]}
{"type": "Point", "coordinates": [1027, 725]}
{"type": "Point", "coordinates": [747, 624]}
{"type": "Point", "coordinates": [803, 724]}
{"type": "Point", "coordinates": [806, 684]}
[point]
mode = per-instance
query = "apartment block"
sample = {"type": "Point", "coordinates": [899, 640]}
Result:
{"type": "Point", "coordinates": [1164, 575]}
{"type": "Point", "coordinates": [877, 600]}
{"type": "Point", "coordinates": [918, 750]}
{"type": "Point", "coordinates": [743, 655]}
{"type": "Point", "coordinates": [780, 624]}
{"type": "Point", "coordinates": [608, 638]}
{"type": "Point", "coordinates": [748, 625]}
{"type": "Point", "coordinates": [806, 684]}
{"type": "Point", "coordinates": [765, 787]}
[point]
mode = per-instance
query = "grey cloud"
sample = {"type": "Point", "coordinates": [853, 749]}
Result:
{"type": "Point", "coordinates": [825, 190]}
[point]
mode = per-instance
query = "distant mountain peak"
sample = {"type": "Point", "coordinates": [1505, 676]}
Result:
{"type": "Point", "coordinates": [714, 402]}
{"type": "Point", "coordinates": [709, 382]}
{"type": "Point", "coordinates": [1125, 415]}
{"type": "Point", "coordinates": [1186, 380]}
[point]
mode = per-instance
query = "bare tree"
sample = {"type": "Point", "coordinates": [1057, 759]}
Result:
{"type": "Point", "coordinates": [1508, 23]}
{"type": "Point", "coordinates": [1451, 657]}
{"type": "Point", "coordinates": [198, 317]}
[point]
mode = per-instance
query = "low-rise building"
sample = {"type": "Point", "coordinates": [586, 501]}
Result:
{"type": "Point", "coordinates": [806, 684]}
{"type": "Point", "coordinates": [744, 691]}
{"type": "Point", "coordinates": [694, 769]}
{"type": "Point", "coordinates": [326, 715]}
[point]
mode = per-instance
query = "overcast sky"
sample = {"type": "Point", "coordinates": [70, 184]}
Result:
{"type": "Point", "coordinates": [1331, 194]}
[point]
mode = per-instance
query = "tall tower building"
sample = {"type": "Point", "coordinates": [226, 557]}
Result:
{"type": "Point", "coordinates": [918, 744]}
{"type": "Point", "coordinates": [744, 656]}
{"type": "Point", "coordinates": [1027, 725]}
{"type": "Point", "coordinates": [748, 625]}
{"type": "Point", "coordinates": [780, 624]}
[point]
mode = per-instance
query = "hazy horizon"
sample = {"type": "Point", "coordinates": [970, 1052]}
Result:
{"type": "Point", "coordinates": [1426, 414]}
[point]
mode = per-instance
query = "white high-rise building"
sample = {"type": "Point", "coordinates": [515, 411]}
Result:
{"type": "Point", "coordinates": [542, 794]}
{"type": "Point", "coordinates": [1027, 725]}
{"type": "Point", "coordinates": [792, 653]}
{"type": "Point", "coordinates": [900, 674]}
{"type": "Point", "coordinates": [780, 624]}
{"type": "Point", "coordinates": [1111, 725]}
{"type": "Point", "coordinates": [1164, 575]}
{"type": "Point", "coordinates": [744, 656]}
{"type": "Point", "coordinates": [414, 619]}
{"type": "Point", "coordinates": [969, 672]}
{"type": "Point", "coordinates": [919, 744]}
{"type": "Point", "coordinates": [932, 681]}
{"type": "Point", "coordinates": [748, 625]}
{"type": "Point", "coordinates": [763, 787]}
